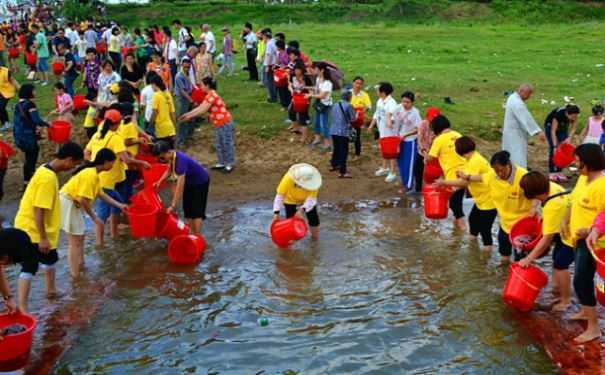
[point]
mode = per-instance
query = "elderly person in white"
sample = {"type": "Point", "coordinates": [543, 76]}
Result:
{"type": "Point", "coordinates": [519, 125]}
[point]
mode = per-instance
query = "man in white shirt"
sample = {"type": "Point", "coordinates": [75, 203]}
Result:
{"type": "Point", "coordinates": [183, 34]}
{"type": "Point", "coordinates": [72, 35]}
{"type": "Point", "coordinates": [250, 42]}
{"type": "Point", "coordinates": [209, 39]}
{"type": "Point", "coordinates": [171, 53]}
{"type": "Point", "coordinates": [269, 60]}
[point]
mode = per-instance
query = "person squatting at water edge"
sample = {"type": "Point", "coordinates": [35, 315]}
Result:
{"type": "Point", "coordinates": [299, 187]}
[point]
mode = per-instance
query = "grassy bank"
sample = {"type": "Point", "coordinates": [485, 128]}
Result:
{"type": "Point", "coordinates": [474, 64]}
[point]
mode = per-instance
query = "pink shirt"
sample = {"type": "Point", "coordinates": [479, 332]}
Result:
{"type": "Point", "coordinates": [63, 102]}
{"type": "Point", "coordinates": [425, 135]}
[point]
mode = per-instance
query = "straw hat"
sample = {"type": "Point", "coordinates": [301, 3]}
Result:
{"type": "Point", "coordinates": [306, 176]}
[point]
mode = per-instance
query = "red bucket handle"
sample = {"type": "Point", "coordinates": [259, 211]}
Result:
{"type": "Point", "coordinates": [512, 269]}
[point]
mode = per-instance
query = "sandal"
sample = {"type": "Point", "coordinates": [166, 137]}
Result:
{"type": "Point", "coordinates": [346, 175]}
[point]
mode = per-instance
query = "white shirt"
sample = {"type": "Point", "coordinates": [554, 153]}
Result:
{"type": "Point", "coordinates": [210, 42]}
{"type": "Point", "coordinates": [172, 51]}
{"type": "Point", "coordinates": [146, 98]}
{"type": "Point", "coordinates": [183, 33]}
{"type": "Point", "coordinates": [324, 86]}
{"type": "Point", "coordinates": [385, 107]}
{"type": "Point", "coordinates": [519, 124]}
{"type": "Point", "coordinates": [73, 36]}
{"type": "Point", "coordinates": [270, 57]}
{"type": "Point", "coordinates": [107, 35]}
{"type": "Point", "coordinates": [406, 121]}
{"type": "Point", "coordinates": [81, 48]}
{"type": "Point", "coordinates": [250, 40]}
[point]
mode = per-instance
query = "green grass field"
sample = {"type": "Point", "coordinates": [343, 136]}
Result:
{"type": "Point", "coordinates": [474, 64]}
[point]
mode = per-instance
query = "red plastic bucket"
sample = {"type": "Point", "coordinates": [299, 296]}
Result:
{"type": "Point", "coordinates": [80, 103]}
{"type": "Point", "coordinates": [7, 149]}
{"type": "Point", "coordinates": [147, 197]}
{"type": "Point", "coordinates": [15, 349]}
{"type": "Point", "coordinates": [101, 48]}
{"type": "Point", "coordinates": [360, 120]}
{"type": "Point", "coordinates": [523, 286]}
{"type": "Point", "coordinates": [186, 249]}
{"type": "Point", "coordinates": [300, 103]}
{"type": "Point", "coordinates": [280, 77]}
{"type": "Point", "coordinates": [143, 220]}
{"type": "Point", "coordinates": [432, 171]}
{"type": "Point", "coordinates": [153, 174]}
{"type": "Point", "coordinates": [436, 201]}
{"type": "Point", "coordinates": [58, 67]}
{"type": "Point", "coordinates": [599, 278]}
{"type": "Point", "coordinates": [198, 95]}
{"type": "Point", "coordinates": [170, 226]}
{"type": "Point", "coordinates": [31, 59]}
{"type": "Point", "coordinates": [59, 131]}
{"type": "Point", "coordinates": [284, 232]}
{"type": "Point", "coordinates": [389, 147]}
{"type": "Point", "coordinates": [13, 52]}
{"type": "Point", "coordinates": [564, 155]}
{"type": "Point", "coordinates": [526, 233]}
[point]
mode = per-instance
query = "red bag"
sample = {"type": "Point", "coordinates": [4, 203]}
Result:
{"type": "Point", "coordinates": [280, 77]}
{"type": "Point", "coordinates": [361, 118]}
{"type": "Point", "coordinates": [300, 104]}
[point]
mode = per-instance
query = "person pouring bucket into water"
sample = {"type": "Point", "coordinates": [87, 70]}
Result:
{"type": "Point", "coordinates": [299, 187]}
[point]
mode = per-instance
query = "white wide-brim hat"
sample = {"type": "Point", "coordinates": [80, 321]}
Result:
{"type": "Point", "coordinates": [306, 176]}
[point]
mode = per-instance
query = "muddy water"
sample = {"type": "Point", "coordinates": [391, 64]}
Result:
{"type": "Point", "coordinates": [384, 291]}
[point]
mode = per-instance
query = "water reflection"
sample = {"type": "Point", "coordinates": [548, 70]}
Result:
{"type": "Point", "coordinates": [384, 291]}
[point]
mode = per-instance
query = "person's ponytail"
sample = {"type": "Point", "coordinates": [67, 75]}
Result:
{"type": "Point", "coordinates": [105, 128]}
{"type": "Point", "coordinates": [104, 155]}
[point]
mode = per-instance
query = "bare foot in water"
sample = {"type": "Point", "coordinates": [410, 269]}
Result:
{"type": "Point", "coordinates": [588, 336]}
{"type": "Point", "coordinates": [561, 306]}
{"type": "Point", "coordinates": [578, 316]}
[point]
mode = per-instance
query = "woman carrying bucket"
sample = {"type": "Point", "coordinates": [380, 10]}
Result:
{"type": "Point", "coordinates": [483, 214]}
{"type": "Point", "coordinates": [192, 183]}
{"type": "Point", "coordinates": [109, 137]}
{"type": "Point", "coordinates": [587, 200]}
{"type": "Point", "coordinates": [555, 204]}
{"type": "Point", "coordinates": [505, 188]}
{"type": "Point", "coordinates": [77, 196]}
{"type": "Point", "coordinates": [383, 119]}
{"type": "Point", "coordinates": [444, 150]}
{"type": "Point", "coordinates": [299, 188]}
{"type": "Point", "coordinates": [559, 127]}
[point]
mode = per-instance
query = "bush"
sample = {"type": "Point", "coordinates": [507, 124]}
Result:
{"type": "Point", "coordinates": [75, 10]}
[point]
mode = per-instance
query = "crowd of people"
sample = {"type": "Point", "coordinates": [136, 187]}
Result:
{"type": "Point", "coordinates": [142, 92]}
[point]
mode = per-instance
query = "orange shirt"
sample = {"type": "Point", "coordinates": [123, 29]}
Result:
{"type": "Point", "coordinates": [163, 71]}
{"type": "Point", "coordinates": [218, 111]}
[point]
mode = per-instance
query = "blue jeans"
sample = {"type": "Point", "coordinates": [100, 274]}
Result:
{"type": "Point", "coordinates": [322, 123]}
{"type": "Point", "coordinates": [173, 69]}
{"type": "Point", "coordinates": [69, 84]}
{"type": "Point", "coordinates": [103, 209]}
{"type": "Point", "coordinates": [43, 64]}
{"type": "Point", "coordinates": [270, 85]}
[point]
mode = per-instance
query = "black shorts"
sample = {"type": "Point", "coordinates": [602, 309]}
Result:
{"type": "Point", "coordinates": [30, 265]}
{"type": "Point", "coordinates": [562, 255]}
{"type": "Point", "coordinates": [312, 216]}
{"type": "Point", "coordinates": [195, 199]}
{"type": "Point", "coordinates": [302, 118]}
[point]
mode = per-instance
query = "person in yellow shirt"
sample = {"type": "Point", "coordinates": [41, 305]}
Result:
{"type": "Point", "coordinates": [108, 137]}
{"type": "Point", "coordinates": [555, 203]}
{"type": "Point", "coordinates": [76, 197]}
{"type": "Point", "coordinates": [299, 187]}
{"type": "Point", "coordinates": [39, 215]}
{"type": "Point", "coordinates": [133, 137]}
{"type": "Point", "coordinates": [164, 115]}
{"type": "Point", "coordinates": [512, 205]}
{"type": "Point", "coordinates": [8, 90]}
{"type": "Point", "coordinates": [587, 201]}
{"type": "Point", "coordinates": [444, 150]}
{"type": "Point", "coordinates": [360, 100]}
{"type": "Point", "coordinates": [482, 216]}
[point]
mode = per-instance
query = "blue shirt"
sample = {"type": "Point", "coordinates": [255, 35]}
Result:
{"type": "Point", "coordinates": [342, 115]}
{"type": "Point", "coordinates": [182, 82]}
{"type": "Point", "coordinates": [195, 174]}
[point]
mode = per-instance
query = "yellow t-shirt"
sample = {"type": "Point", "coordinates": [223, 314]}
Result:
{"type": "Point", "coordinates": [163, 104]}
{"type": "Point", "coordinates": [42, 192]}
{"type": "Point", "coordinates": [294, 194]}
{"type": "Point", "coordinates": [130, 131]}
{"type": "Point", "coordinates": [85, 184]}
{"type": "Point", "coordinates": [89, 120]}
{"type": "Point", "coordinates": [509, 199]}
{"type": "Point", "coordinates": [115, 143]}
{"type": "Point", "coordinates": [587, 201]}
{"type": "Point", "coordinates": [477, 165]}
{"type": "Point", "coordinates": [444, 149]}
{"type": "Point", "coordinates": [114, 44]}
{"type": "Point", "coordinates": [554, 211]}
{"type": "Point", "coordinates": [361, 100]}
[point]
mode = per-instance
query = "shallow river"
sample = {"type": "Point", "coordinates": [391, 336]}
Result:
{"type": "Point", "coordinates": [384, 292]}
